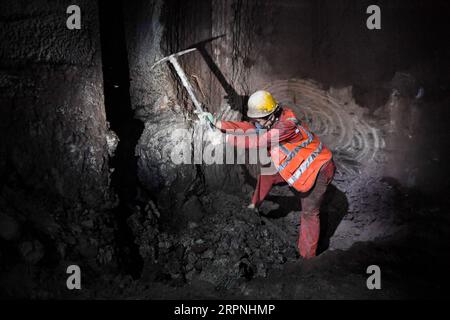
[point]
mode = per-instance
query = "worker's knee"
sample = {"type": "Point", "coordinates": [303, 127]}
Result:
{"type": "Point", "coordinates": [310, 212]}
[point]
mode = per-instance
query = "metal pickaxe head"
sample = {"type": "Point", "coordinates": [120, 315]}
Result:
{"type": "Point", "coordinates": [201, 44]}
{"type": "Point", "coordinates": [173, 55]}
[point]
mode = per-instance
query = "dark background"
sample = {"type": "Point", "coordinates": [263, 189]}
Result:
{"type": "Point", "coordinates": [85, 125]}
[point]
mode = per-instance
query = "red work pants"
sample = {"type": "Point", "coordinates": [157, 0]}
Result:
{"type": "Point", "coordinates": [310, 201]}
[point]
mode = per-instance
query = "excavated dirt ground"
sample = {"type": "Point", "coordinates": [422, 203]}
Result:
{"type": "Point", "coordinates": [231, 252]}
{"type": "Point", "coordinates": [221, 250]}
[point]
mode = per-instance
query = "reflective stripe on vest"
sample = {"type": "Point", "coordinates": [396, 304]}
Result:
{"type": "Point", "coordinates": [297, 174]}
{"type": "Point", "coordinates": [284, 149]}
{"type": "Point", "coordinates": [293, 153]}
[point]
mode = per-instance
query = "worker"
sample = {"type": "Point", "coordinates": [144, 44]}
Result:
{"type": "Point", "coordinates": [300, 159]}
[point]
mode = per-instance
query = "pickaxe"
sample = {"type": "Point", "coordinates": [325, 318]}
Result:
{"type": "Point", "coordinates": [182, 75]}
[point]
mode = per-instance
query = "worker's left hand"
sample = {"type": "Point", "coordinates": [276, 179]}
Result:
{"type": "Point", "coordinates": [208, 116]}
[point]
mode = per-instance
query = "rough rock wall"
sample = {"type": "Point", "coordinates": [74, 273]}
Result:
{"type": "Point", "coordinates": [153, 97]}
{"type": "Point", "coordinates": [154, 30]}
{"type": "Point", "coordinates": [52, 103]}
{"type": "Point", "coordinates": [54, 161]}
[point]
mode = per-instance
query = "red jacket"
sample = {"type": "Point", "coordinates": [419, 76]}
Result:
{"type": "Point", "coordinates": [286, 132]}
{"type": "Point", "coordinates": [296, 152]}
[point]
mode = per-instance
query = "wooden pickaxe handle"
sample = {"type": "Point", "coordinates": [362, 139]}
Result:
{"type": "Point", "coordinates": [182, 75]}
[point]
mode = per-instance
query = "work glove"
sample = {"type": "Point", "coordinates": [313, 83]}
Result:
{"type": "Point", "coordinates": [209, 117]}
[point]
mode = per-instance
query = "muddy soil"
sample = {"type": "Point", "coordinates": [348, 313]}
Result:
{"type": "Point", "coordinates": [231, 252]}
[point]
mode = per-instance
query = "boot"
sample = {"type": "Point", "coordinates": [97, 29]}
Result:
{"type": "Point", "coordinates": [254, 208]}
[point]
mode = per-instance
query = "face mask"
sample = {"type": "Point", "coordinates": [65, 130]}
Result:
{"type": "Point", "coordinates": [258, 126]}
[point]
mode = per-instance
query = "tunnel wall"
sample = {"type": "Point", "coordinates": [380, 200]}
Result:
{"type": "Point", "coordinates": [54, 173]}
{"type": "Point", "coordinates": [52, 103]}
{"type": "Point", "coordinates": [154, 30]}
{"type": "Point", "coordinates": [153, 98]}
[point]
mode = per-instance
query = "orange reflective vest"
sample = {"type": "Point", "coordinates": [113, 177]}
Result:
{"type": "Point", "coordinates": [300, 162]}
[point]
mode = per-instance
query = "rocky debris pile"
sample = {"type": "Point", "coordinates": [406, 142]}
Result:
{"type": "Point", "coordinates": [89, 236]}
{"type": "Point", "coordinates": [144, 225]}
{"type": "Point", "coordinates": [226, 246]}
{"type": "Point", "coordinates": [76, 234]}
{"type": "Point", "coordinates": [35, 254]}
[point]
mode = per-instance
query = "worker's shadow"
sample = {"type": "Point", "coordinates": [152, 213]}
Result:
{"type": "Point", "coordinates": [234, 99]}
{"type": "Point", "coordinates": [333, 209]}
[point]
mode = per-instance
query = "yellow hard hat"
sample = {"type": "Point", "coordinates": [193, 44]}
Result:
{"type": "Point", "coordinates": [261, 104]}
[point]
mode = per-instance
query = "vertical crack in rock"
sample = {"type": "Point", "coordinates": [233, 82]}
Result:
{"type": "Point", "coordinates": [120, 115]}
